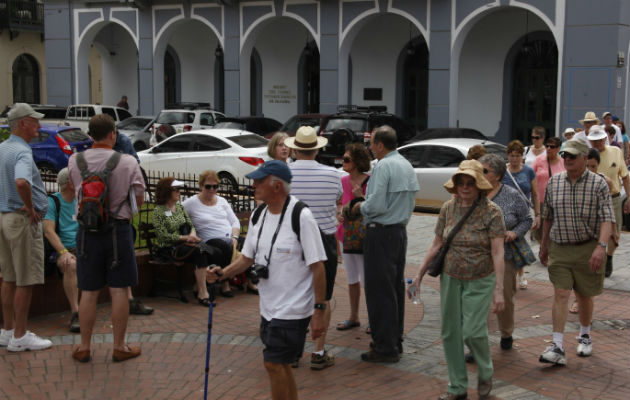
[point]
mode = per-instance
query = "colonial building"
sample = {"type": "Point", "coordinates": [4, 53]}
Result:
{"type": "Point", "coordinates": [22, 56]}
{"type": "Point", "coordinates": [498, 66]}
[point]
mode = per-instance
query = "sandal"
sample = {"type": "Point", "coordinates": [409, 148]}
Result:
{"type": "Point", "coordinates": [574, 308]}
{"type": "Point", "coordinates": [205, 302]}
{"type": "Point", "coordinates": [347, 324]}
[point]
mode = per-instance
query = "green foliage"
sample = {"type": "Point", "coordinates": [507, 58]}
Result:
{"type": "Point", "coordinates": [4, 134]}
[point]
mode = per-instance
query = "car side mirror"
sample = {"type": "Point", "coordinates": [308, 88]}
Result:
{"type": "Point", "coordinates": [156, 149]}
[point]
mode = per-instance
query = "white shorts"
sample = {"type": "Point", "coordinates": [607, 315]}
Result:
{"type": "Point", "coordinates": [354, 266]}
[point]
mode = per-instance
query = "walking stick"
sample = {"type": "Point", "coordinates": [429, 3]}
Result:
{"type": "Point", "coordinates": [205, 387]}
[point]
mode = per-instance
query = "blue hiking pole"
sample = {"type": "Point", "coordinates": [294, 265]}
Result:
{"type": "Point", "coordinates": [205, 387]}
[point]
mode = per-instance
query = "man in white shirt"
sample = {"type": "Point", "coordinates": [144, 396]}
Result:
{"type": "Point", "coordinates": [292, 282]}
{"type": "Point", "coordinates": [607, 117]}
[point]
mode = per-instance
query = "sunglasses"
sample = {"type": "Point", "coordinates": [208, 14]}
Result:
{"type": "Point", "coordinates": [465, 184]}
{"type": "Point", "coordinates": [566, 155]}
{"type": "Point", "coordinates": [485, 170]}
{"type": "Point", "coordinates": [175, 189]}
{"type": "Point", "coordinates": [536, 137]}
{"type": "Point", "coordinates": [347, 159]}
{"type": "Point", "coordinates": [551, 146]}
{"type": "Point", "coordinates": [208, 187]}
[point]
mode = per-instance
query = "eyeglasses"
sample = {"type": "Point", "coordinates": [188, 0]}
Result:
{"type": "Point", "coordinates": [465, 184]}
{"type": "Point", "coordinates": [347, 159]}
{"type": "Point", "coordinates": [551, 146]}
{"type": "Point", "coordinates": [208, 187]}
{"type": "Point", "coordinates": [536, 137]}
{"type": "Point", "coordinates": [566, 155]}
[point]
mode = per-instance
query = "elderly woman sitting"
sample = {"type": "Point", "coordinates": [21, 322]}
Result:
{"type": "Point", "coordinates": [472, 278]}
{"type": "Point", "coordinates": [173, 228]}
{"type": "Point", "coordinates": [216, 223]}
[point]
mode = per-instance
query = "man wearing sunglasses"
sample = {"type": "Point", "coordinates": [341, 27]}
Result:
{"type": "Point", "coordinates": [613, 166]}
{"type": "Point", "coordinates": [577, 222]}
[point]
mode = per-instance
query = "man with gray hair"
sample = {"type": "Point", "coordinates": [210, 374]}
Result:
{"type": "Point", "coordinates": [22, 205]}
{"type": "Point", "coordinates": [60, 229]}
{"type": "Point", "coordinates": [292, 282]}
{"type": "Point", "coordinates": [389, 202]}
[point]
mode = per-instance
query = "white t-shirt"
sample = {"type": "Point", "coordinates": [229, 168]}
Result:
{"type": "Point", "coordinates": [618, 135]}
{"type": "Point", "coordinates": [530, 157]}
{"type": "Point", "coordinates": [288, 293]}
{"type": "Point", "coordinates": [212, 222]}
{"type": "Point", "coordinates": [583, 137]}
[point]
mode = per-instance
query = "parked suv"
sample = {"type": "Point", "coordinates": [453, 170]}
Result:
{"type": "Point", "coordinates": [355, 124]}
{"type": "Point", "coordinates": [79, 115]}
{"type": "Point", "coordinates": [184, 120]}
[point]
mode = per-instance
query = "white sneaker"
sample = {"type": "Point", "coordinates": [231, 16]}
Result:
{"type": "Point", "coordinates": [585, 346]}
{"type": "Point", "coordinates": [523, 282]}
{"type": "Point", "coordinates": [554, 355]}
{"type": "Point", "coordinates": [5, 337]}
{"type": "Point", "coordinates": [29, 341]}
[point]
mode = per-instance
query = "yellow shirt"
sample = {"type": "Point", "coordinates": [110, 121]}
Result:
{"type": "Point", "coordinates": [613, 166]}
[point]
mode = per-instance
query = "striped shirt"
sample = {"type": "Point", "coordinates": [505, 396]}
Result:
{"type": "Point", "coordinates": [578, 209]}
{"type": "Point", "coordinates": [319, 186]}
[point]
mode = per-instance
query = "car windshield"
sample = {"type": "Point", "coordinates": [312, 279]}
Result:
{"type": "Point", "coordinates": [74, 135]}
{"type": "Point", "coordinates": [230, 125]}
{"type": "Point", "coordinates": [497, 149]}
{"type": "Point", "coordinates": [355, 124]}
{"type": "Point", "coordinates": [134, 123]}
{"type": "Point", "coordinates": [175, 117]}
{"type": "Point", "coordinates": [249, 141]}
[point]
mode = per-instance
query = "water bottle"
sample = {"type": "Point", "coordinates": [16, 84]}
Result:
{"type": "Point", "coordinates": [413, 292]}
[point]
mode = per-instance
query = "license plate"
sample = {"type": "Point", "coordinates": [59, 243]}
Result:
{"type": "Point", "coordinates": [338, 161]}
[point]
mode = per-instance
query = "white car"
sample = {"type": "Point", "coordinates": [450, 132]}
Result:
{"type": "Point", "coordinates": [232, 153]}
{"type": "Point", "coordinates": [79, 115]}
{"type": "Point", "coordinates": [185, 120]}
{"type": "Point", "coordinates": [436, 160]}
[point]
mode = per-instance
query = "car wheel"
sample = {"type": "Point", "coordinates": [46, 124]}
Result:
{"type": "Point", "coordinates": [139, 146]}
{"type": "Point", "coordinates": [46, 168]}
{"type": "Point", "coordinates": [340, 138]}
{"type": "Point", "coordinates": [227, 182]}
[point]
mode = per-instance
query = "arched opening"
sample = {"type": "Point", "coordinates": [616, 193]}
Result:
{"type": "Point", "coordinates": [255, 88]}
{"type": "Point", "coordinates": [25, 79]}
{"type": "Point", "coordinates": [172, 77]}
{"type": "Point", "coordinates": [414, 80]}
{"type": "Point", "coordinates": [534, 92]}
{"type": "Point", "coordinates": [308, 80]}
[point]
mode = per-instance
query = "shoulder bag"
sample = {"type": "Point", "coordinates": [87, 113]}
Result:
{"type": "Point", "coordinates": [529, 202]}
{"type": "Point", "coordinates": [436, 265]}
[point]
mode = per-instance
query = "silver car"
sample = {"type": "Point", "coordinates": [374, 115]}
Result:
{"type": "Point", "coordinates": [436, 160]}
{"type": "Point", "coordinates": [138, 130]}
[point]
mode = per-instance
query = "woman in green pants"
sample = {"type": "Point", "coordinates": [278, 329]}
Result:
{"type": "Point", "coordinates": [472, 279]}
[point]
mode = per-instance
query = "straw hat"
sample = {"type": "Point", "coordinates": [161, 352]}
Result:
{"type": "Point", "coordinates": [305, 139]}
{"type": "Point", "coordinates": [471, 168]}
{"type": "Point", "coordinates": [590, 117]}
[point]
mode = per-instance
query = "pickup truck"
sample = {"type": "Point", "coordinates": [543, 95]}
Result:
{"type": "Point", "coordinates": [79, 114]}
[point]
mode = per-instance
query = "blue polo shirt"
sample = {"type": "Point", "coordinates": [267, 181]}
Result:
{"type": "Point", "coordinates": [16, 162]}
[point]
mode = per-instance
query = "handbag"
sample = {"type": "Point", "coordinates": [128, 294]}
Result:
{"type": "Point", "coordinates": [436, 265]}
{"type": "Point", "coordinates": [354, 228]}
{"type": "Point", "coordinates": [522, 254]}
{"type": "Point", "coordinates": [529, 202]}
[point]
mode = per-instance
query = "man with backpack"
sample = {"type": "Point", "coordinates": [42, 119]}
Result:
{"type": "Point", "coordinates": [60, 230]}
{"type": "Point", "coordinates": [22, 205]}
{"type": "Point", "coordinates": [292, 283]}
{"type": "Point", "coordinates": [107, 184]}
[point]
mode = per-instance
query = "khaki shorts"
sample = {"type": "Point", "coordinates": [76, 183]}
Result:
{"type": "Point", "coordinates": [569, 268]}
{"type": "Point", "coordinates": [617, 208]}
{"type": "Point", "coordinates": [21, 250]}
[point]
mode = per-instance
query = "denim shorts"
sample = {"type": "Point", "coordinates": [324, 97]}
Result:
{"type": "Point", "coordinates": [284, 339]}
{"type": "Point", "coordinates": [95, 257]}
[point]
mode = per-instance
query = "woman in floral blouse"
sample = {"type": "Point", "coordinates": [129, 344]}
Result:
{"type": "Point", "coordinates": [173, 227]}
{"type": "Point", "coordinates": [472, 279]}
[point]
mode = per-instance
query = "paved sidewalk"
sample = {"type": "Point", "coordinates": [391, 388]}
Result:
{"type": "Point", "coordinates": [174, 343]}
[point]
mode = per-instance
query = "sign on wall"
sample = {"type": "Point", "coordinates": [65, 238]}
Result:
{"type": "Point", "coordinates": [279, 94]}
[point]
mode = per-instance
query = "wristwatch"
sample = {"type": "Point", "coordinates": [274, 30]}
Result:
{"type": "Point", "coordinates": [603, 244]}
{"type": "Point", "coordinates": [320, 306]}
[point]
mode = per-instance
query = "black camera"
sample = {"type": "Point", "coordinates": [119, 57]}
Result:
{"type": "Point", "coordinates": [257, 272]}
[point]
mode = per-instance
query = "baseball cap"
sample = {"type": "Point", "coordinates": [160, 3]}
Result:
{"type": "Point", "coordinates": [21, 110]}
{"type": "Point", "coordinates": [177, 183]}
{"type": "Point", "coordinates": [576, 147]}
{"type": "Point", "coordinates": [273, 167]}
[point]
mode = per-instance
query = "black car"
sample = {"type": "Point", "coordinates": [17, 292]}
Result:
{"type": "Point", "coordinates": [262, 126]}
{"type": "Point", "coordinates": [354, 124]}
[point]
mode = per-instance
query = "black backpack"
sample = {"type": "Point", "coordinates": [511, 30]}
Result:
{"type": "Point", "coordinates": [50, 254]}
{"type": "Point", "coordinates": [295, 216]}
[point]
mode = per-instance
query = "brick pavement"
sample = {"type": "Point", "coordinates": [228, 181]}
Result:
{"type": "Point", "coordinates": [173, 343]}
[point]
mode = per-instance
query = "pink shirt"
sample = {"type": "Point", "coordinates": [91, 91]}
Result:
{"type": "Point", "coordinates": [127, 174]}
{"type": "Point", "coordinates": [541, 168]}
{"type": "Point", "coordinates": [346, 197]}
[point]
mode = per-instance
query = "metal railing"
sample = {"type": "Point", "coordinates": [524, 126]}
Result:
{"type": "Point", "coordinates": [22, 15]}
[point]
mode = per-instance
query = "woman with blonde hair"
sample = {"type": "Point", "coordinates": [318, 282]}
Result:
{"type": "Point", "coordinates": [276, 149]}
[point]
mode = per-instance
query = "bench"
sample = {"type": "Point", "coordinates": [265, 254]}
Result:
{"type": "Point", "coordinates": [147, 233]}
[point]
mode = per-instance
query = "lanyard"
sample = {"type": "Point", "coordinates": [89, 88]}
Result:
{"type": "Point", "coordinates": [275, 235]}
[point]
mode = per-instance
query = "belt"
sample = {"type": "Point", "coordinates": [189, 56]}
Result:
{"type": "Point", "coordinates": [575, 244]}
{"type": "Point", "coordinates": [377, 225]}
{"type": "Point", "coordinates": [121, 221]}
{"type": "Point", "coordinates": [615, 195]}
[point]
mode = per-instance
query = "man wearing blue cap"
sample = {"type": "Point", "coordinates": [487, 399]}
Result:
{"type": "Point", "coordinates": [292, 282]}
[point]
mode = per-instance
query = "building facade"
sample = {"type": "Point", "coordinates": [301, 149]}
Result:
{"type": "Point", "coordinates": [498, 66]}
